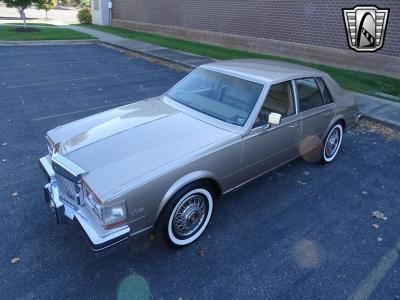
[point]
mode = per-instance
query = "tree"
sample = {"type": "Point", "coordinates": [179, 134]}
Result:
{"type": "Point", "coordinates": [20, 5]}
{"type": "Point", "coordinates": [46, 5]}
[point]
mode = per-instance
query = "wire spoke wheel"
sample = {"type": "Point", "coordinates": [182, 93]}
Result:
{"type": "Point", "coordinates": [332, 143]}
{"type": "Point", "coordinates": [189, 216]}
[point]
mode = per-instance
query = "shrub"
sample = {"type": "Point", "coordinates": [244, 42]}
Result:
{"type": "Point", "coordinates": [85, 16]}
{"type": "Point", "coordinates": [84, 3]}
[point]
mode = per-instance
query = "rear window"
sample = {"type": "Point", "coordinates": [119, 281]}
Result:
{"type": "Point", "coordinates": [309, 94]}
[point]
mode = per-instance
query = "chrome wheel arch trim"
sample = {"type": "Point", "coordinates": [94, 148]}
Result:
{"type": "Point", "coordinates": [337, 118]}
{"type": "Point", "coordinates": [184, 181]}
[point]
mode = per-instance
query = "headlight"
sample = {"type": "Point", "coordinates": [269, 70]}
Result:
{"type": "Point", "coordinates": [114, 215]}
{"type": "Point", "coordinates": [109, 216]}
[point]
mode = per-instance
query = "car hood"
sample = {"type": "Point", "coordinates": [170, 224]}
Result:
{"type": "Point", "coordinates": [86, 131]}
{"type": "Point", "coordinates": [124, 144]}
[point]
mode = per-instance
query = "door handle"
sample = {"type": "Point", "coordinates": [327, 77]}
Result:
{"type": "Point", "coordinates": [294, 125]}
{"type": "Point", "coordinates": [327, 114]}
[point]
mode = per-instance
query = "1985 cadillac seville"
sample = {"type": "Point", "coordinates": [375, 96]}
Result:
{"type": "Point", "coordinates": [160, 163]}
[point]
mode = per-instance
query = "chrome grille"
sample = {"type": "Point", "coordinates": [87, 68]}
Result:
{"type": "Point", "coordinates": [68, 190]}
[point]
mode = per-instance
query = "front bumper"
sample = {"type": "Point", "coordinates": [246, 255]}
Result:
{"type": "Point", "coordinates": [99, 239]}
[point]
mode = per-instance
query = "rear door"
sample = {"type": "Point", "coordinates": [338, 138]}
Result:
{"type": "Point", "coordinates": [316, 110]}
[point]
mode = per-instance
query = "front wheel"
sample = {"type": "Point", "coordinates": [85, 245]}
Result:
{"type": "Point", "coordinates": [332, 143]}
{"type": "Point", "coordinates": [187, 215]}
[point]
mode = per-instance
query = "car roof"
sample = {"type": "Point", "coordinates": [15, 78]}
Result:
{"type": "Point", "coordinates": [263, 70]}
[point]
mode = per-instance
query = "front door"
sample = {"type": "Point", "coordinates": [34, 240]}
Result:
{"type": "Point", "coordinates": [269, 146]}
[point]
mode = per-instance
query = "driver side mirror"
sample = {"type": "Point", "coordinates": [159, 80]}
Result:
{"type": "Point", "coordinates": [274, 118]}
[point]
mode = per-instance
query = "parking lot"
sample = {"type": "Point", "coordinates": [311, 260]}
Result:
{"type": "Point", "coordinates": [302, 231]}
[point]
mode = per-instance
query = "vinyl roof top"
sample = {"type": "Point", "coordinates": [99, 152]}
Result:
{"type": "Point", "coordinates": [262, 69]}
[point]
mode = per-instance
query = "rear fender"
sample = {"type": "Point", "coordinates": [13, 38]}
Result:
{"type": "Point", "coordinates": [336, 119]}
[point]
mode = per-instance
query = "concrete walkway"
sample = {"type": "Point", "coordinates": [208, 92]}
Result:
{"type": "Point", "coordinates": [384, 111]}
{"type": "Point", "coordinates": [183, 58]}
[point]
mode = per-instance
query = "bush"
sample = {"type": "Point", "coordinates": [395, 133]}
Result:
{"type": "Point", "coordinates": [84, 3]}
{"type": "Point", "coordinates": [85, 16]}
{"type": "Point", "coordinates": [74, 3]}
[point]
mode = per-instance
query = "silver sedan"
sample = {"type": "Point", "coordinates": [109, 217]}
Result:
{"type": "Point", "coordinates": [157, 165]}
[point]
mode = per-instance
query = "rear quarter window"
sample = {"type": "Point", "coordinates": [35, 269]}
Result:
{"type": "Point", "coordinates": [326, 95]}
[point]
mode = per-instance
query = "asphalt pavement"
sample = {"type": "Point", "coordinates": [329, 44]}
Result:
{"type": "Point", "coordinates": [303, 231]}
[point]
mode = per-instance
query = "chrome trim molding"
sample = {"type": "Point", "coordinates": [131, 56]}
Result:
{"type": "Point", "coordinates": [97, 237]}
{"type": "Point", "coordinates": [45, 165]}
{"type": "Point", "coordinates": [56, 205]}
{"type": "Point", "coordinates": [183, 181]}
{"type": "Point", "coordinates": [67, 168]}
{"type": "Point", "coordinates": [98, 243]}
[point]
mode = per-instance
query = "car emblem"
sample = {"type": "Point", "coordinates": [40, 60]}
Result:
{"type": "Point", "coordinates": [365, 26]}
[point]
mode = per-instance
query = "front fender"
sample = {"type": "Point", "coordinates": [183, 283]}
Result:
{"type": "Point", "coordinates": [183, 181]}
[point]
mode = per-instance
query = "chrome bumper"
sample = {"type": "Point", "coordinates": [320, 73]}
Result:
{"type": "Point", "coordinates": [97, 237]}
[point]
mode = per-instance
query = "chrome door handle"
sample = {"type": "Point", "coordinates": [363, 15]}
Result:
{"type": "Point", "coordinates": [294, 125]}
{"type": "Point", "coordinates": [327, 114]}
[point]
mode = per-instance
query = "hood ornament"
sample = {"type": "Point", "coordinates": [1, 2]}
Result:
{"type": "Point", "coordinates": [59, 148]}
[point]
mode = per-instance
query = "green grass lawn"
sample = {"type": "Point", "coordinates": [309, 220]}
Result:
{"type": "Point", "coordinates": [352, 80]}
{"type": "Point", "coordinates": [8, 33]}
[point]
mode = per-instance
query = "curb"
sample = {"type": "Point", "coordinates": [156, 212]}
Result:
{"type": "Point", "coordinates": [27, 25]}
{"type": "Point", "coordinates": [367, 117]}
{"type": "Point", "coordinates": [160, 57]}
{"type": "Point", "coordinates": [49, 42]}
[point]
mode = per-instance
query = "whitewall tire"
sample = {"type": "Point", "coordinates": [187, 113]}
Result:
{"type": "Point", "coordinates": [187, 215]}
{"type": "Point", "coordinates": [332, 143]}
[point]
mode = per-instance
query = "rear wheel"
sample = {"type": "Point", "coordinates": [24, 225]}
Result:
{"type": "Point", "coordinates": [332, 143]}
{"type": "Point", "coordinates": [187, 215]}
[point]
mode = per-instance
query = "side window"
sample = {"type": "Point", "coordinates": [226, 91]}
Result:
{"type": "Point", "coordinates": [324, 90]}
{"type": "Point", "coordinates": [279, 100]}
{"type": "Point", "coordinates": [309, 94]}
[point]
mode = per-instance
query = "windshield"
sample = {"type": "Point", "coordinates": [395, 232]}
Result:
{"type": "Point", "coordinates": [218, 95]}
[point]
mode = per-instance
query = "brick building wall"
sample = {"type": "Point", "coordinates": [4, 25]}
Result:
{"type": "Point", "coordinates": [312, 22]}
